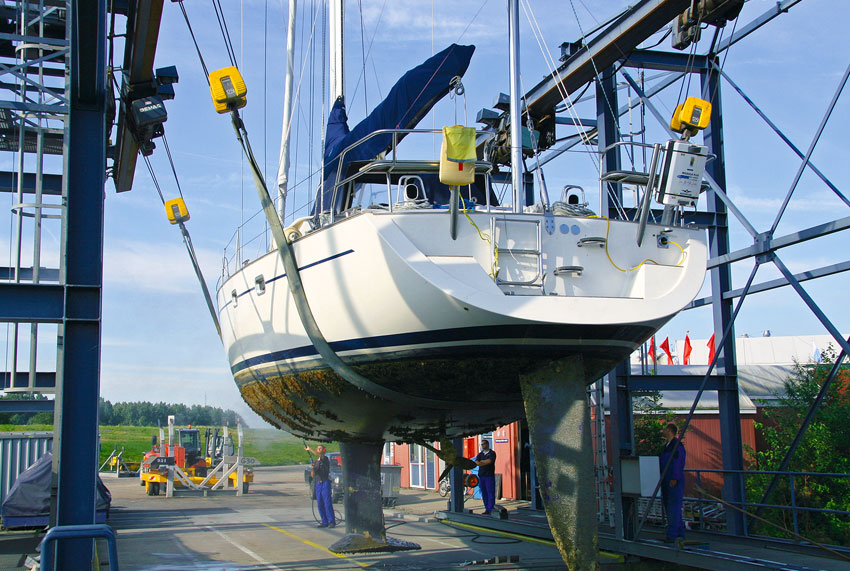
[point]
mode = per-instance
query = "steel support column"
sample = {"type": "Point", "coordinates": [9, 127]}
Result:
{"type": "Point", "coordinates": [721, 282]}
{"type": "Point", "coordinates": [85, 163]}
{"type": "Point", "coordinates": [622, 430]}
{"type": "Point", "coordinates": [607, 121]}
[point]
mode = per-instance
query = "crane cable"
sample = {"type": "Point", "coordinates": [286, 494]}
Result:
{"type": "Point", "coordinates": [187, 239]}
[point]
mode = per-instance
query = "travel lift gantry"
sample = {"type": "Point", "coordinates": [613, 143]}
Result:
{"type": "Point", "coordinates": [167, 466]}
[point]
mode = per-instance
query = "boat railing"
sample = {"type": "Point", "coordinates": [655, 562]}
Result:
{"type": "Point", "coordinates": [394, 164]}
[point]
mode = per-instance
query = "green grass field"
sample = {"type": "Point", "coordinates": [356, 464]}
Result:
{"type": "Point", "coordinates": [271, 447]}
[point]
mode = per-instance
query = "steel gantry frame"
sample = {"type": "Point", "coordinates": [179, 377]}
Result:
{"type": "Point", "coordinates": [57, 108]}
{"type": "Point", "coordinates": [610, 55]}
{"type": "Point", "coordinates": [722, 374]}
{"type": "Point", "coordinates": [55, 116]}
{"type": "Point", "coordinates": [33, 112]}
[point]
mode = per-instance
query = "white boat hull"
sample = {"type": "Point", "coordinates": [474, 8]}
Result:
{"type": "Point", "coordinates": [415, 311]}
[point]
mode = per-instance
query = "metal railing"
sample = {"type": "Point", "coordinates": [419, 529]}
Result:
{"type": "Point", "coordinates": [93, 531]}
{"type": "Point", "coordinates": [392, 163]}
{"type": "Point", "coordinates": [795, 509]}
{"type": "Point", "coordinates": [240, 242]}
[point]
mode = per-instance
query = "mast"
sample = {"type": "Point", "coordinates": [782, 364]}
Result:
{"type": "Point", "coordinates": [515, 109]}
{"type": "Point", "coordinates": [283, 169]}
{"type": "Point", "coordinates": [337, 68]}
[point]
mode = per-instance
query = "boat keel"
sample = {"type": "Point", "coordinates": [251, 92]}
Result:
{"type": "Point", "coordinates": [364, 516]}
{"type": "Point", "coordinates": [556, 408]}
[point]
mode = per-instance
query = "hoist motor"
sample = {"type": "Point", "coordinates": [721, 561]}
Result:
{"type": "Point", "coordinates": [228, 89]}
{"type": "Point", "coordinates": [147, 115]}
{"type": "Point", "coordinates": [681, 173]}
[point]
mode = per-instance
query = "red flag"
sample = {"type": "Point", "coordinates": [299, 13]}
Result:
{"type": "Point", "coordinates": [711, 349]}
{"type": "Point", "coordinates": [686, 354]}
{"type": "Point", "coordinates": [652, 348]}
{"type": "Point", "coordinates": [666, 346]}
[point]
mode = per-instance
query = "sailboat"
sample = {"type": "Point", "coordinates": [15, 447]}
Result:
{"type": "Point", "coordinates": [405, 309]}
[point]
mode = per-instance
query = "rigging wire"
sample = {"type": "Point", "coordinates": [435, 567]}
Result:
{"type": "Point", "coordinates": [556, 75]}
{"type": "Point", "coordinates": [723, 63]}
{"type": "Point", "coordinates": [363, 55]}
{"type": "Point", "coordinates": [195, 41]}
{"type": "Point", "coordinates": [463, 33]}
{"type": "Point", "coordinates": [367, 57]}
{"type": "Point", "coordinates": [171, 162]}
{"type": "Point", "coordinates": [225, 33]}
{"type": "Point", "coordinates": [155, 180]}
{"type": "Point", "coordinates": [686, 79]}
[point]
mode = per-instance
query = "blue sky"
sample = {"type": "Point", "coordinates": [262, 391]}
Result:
{"type": "Point", "coordinates": [158, 340]}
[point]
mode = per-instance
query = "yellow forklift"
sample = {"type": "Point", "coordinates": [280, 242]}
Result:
{"type": "Point", "coordinates": [218, 466]}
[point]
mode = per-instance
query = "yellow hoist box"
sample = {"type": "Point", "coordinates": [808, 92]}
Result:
{"type": "Point", "coordinates": [228, 89]}
{"type": "Point", "coordinates": [457, 156]}
{"type": "Point", "coordinates": [693, 115]}
{"type": "Point", "coordinates": [176, 210]}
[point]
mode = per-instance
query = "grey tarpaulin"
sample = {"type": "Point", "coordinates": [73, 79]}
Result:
{"type": "Point", "coordinates": [28, 502]}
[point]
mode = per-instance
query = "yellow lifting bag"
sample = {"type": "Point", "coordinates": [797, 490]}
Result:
{"type": "Point", "coordinates": [457, 156]}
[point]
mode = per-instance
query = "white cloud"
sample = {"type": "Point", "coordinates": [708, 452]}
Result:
{"type": "Point", "coordinates": [161, 267]}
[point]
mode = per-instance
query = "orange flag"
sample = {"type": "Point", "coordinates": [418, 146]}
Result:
{"type": "Point", "coordinates": [686, 354]}
{"type": "Point", "coordinates": [666, 347]}
{"type": "Point", "coordinates": [711, 349]}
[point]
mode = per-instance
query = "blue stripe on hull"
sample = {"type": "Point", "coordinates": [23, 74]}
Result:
{"type": "Point", "coordinates": [509, 338]}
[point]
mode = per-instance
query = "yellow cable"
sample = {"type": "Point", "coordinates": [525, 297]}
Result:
{"type": "Point", "coordinates": [608, 231]}
{"type": "Point", "coordinates": [483, 236]}
{"type": "Point", "coordinates": [521, 537]}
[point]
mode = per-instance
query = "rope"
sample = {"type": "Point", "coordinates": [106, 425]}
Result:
{"type": "Point", "coordinates": [225, 33]}
{"type": "Point", "coordinates": [561, 208]}
{"type": "Point", "coordinates": [171, 162]}
{"type": "Point", "coordinates": [647, 260]}
{"type": "Point", "coordinates": [195, 41]}
{"type": "Point", "coordinates": [556, 75]}
{"type": "Point", "coordinates": [155, 181]}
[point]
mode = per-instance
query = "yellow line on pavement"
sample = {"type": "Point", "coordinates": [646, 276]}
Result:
{"type": "Point", "coordinates": [315, 545]}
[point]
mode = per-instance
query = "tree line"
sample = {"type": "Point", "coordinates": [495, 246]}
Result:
{"type": "Point", "coordinates": [133, 413]}
{"type": "Point", "coordinates": [149, 414]}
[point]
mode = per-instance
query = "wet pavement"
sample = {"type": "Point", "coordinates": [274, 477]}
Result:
{"type": "Point", "coordinates": [273, 527]}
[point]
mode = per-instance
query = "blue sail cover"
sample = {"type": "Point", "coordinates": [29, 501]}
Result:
{"type": "Point", "coordinates": [410, 99]}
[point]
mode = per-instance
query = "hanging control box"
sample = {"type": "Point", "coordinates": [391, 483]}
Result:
{"type": "Point", "coordinates": [176, 210]}
{"type": "Point", "coordinates": [228, 89]}
{"type": "Point", "coordinates": [681, 173]}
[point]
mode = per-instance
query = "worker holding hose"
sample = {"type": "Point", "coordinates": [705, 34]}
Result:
{"type": "Point", "coordinates": [321, 477]}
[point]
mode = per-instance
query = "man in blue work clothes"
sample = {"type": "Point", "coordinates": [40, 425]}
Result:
{"type": "Point", "coordinates": [321, 478]}
{"type": "Point", "coordinates": [673, 483]}
{"type": "Point", "coordinates": [486, 462]}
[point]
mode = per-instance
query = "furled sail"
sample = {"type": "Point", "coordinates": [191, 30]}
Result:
{"type": "Point", "coordinates": [410, 99]}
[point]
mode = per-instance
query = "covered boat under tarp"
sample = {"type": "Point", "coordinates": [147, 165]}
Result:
{"type": "Point", "coordinates": [28, 502]}
{"type": "Point", "coordinates": [410, 99]}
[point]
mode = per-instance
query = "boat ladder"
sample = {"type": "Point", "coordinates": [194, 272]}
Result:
{"type": "Point", "coordinates": [520, 244]}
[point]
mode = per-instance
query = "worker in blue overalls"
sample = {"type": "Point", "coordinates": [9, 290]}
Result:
{"type": "Point", "coordinates": [673, 483]}
{"type": "Point", "coordinates": [486, 462]}
{"type": "Point", "coordinates": [321, 477]}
